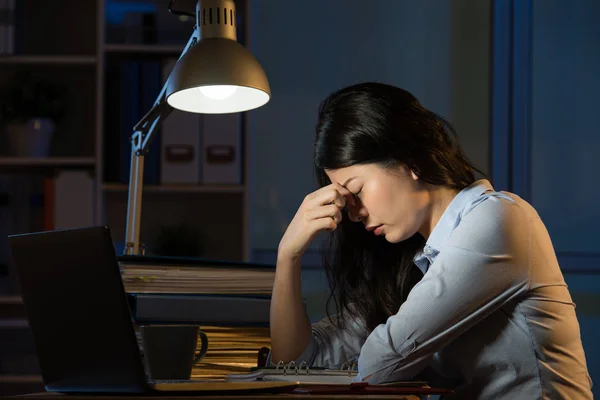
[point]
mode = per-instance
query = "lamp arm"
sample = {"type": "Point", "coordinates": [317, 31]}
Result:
{"type": "Point", "coordinates": [143, 133]}
{"type": "Point", "coordinates": [161, 109]}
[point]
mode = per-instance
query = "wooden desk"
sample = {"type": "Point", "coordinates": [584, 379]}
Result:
{"type": "Point", "coordinates": [160, 396]}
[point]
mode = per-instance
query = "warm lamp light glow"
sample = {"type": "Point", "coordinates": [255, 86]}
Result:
{"type": "Point", "coordinates": [218, 92]}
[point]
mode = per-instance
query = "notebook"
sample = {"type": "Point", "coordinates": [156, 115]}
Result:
{"type": "Point", "coordinates": [310, 376]}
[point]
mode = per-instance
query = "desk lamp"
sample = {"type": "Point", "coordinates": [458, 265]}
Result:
{"type": "Point", "coordinates": [213, 75]}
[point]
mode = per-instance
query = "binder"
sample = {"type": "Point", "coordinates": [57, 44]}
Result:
{"type": "Point", "coordinates": [223, 310]}
{"type": "Point", "coordinates": [180, 143]}
{"type": "Point", "coordinates": [222, 142]}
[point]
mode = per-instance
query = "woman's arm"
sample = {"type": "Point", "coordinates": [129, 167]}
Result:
{"type": "Point", "coordinates": [329, 346]}
{"type": "Point", "coordinates": [293, 338]}
{"type": "Point", "coordinates": [290, 326]}
{"type": "Point", "coordinates": [484, 265]}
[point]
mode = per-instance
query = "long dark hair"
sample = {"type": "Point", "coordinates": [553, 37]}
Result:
{"type": "Point", "coordinates": [377, 123]}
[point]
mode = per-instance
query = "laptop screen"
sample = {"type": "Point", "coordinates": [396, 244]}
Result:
{"type": "Point", "coordinates": [77, 310]}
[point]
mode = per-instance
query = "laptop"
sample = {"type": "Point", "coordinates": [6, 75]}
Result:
{"type": "Point", "coordinates": [80, 320]}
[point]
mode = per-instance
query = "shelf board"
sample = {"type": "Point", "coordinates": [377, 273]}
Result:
{"type": "Point", "coordinates": [47, 162]}
{"type": "Point", "coordinates": [13, 323]}
{"type": "Point", "coordinates": [177, 188]}
{"type": "Point", "coordinates": [11, 300]}
{"type": "Point", "coordinates": [43, 59]}
{"type": "Point", "coordinates": [15, 378]}
{"type": "Point", "coordinates": [145, 48]}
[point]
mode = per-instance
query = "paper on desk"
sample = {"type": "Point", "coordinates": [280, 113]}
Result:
{"type": "Point", "coordinates": [210, 385]}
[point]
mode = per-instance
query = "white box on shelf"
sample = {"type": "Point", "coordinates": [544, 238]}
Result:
{"type": "Point", "coordinates": [180, 143]}
{"type": "Point", "coordinates": [74, 200]}
{"type": "Point", "coordinates": [221, 156]}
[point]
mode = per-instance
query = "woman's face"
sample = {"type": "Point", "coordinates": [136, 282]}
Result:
{"type": "Point", "coordinates": [390, 202]}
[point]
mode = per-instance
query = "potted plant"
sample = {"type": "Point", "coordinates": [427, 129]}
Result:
{"type": "Point", "coordinates": [30, 109]}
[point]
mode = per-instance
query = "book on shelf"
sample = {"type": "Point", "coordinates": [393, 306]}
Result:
{"type": "Point", "coordinates": [132, 87]}
{"type": "Point", "coordinates": [68, 200]}
{"type": "Point", "coordinates": [7, 27]}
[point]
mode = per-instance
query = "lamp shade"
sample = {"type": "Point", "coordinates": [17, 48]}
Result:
{"type": "Point", "coordinates": [217, 76]}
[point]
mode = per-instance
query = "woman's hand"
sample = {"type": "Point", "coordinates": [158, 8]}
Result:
{"type": "Point", "coordinates": [320, 210]}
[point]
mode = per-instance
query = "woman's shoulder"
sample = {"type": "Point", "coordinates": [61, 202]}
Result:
{"type": "Point", "coordinates": [499, 206]}
{"type": "Point", "coordinates": [494, 217]}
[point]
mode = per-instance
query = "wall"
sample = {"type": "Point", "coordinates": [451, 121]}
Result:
{"type": "Point", "coordinates": [565, 141]}
{"type": "Point", "coordinates": [565, 129]}
{"type": "Point", "coordinates": [439, 50]}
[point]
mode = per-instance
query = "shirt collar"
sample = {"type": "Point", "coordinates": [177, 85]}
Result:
{"type": "Point", "coordinates": [449, 221]}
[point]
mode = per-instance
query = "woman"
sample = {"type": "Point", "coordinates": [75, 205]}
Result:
{"type": "Point", "coordinates": [491, 316]}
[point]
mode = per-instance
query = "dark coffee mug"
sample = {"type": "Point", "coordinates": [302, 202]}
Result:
{"type": "Point", "coordinates": [169, 350]}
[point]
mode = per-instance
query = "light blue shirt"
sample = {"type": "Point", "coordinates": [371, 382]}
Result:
{"type": "Point", "coordinates": [492, 317]}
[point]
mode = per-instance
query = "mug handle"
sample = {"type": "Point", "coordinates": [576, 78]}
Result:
{"type": "Point", "coordinates": [204, 349]}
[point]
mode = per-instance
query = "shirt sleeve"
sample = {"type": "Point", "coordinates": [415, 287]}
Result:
{"type": "Point", "coordinates": [331, 347]}
{"type": "Point", "coordinates": [483, 266]}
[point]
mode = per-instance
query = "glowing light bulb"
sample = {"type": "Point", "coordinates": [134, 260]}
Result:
{"type": "Point", "coordinates": [218, 92]}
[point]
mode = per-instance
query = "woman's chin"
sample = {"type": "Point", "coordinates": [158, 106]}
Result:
{"type": "Point", "coordinates": [396, 237]}
{"type": "Point", "coordinates": [393, 237]}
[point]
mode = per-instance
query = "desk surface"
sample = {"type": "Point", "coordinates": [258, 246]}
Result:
{"type": "Point", "coordinates": [58, 396]}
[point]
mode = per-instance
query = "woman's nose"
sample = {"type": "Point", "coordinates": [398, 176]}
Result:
{"type": "Point", "coordinates": [357, 212]}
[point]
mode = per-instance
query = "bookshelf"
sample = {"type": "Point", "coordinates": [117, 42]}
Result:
{"type": "Point", "coordinates": [77, 48]}
{"type": "Point", "coordinates": [41, 60]}
{"type": "Point", "coordinates": [57, 162]}
{"type": "Point", "coordinates": [75, 44]}
{"type": "Point", "coordinates": [173, 50]}
{"type": "Point", "coordinates": [175, 188]}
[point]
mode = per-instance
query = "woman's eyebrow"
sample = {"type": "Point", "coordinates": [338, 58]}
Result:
{"type": "Point", "coordinates": [347, 181]}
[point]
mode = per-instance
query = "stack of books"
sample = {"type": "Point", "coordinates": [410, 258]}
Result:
{"type": "Point", "coordinates": [230, 301]}
{"type": "Point", "coordinates": [194, 276]}
{"type": "Point", "coordinates": [231, 350]}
